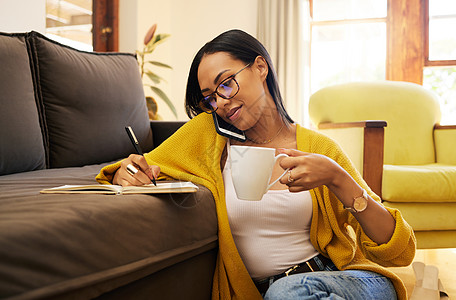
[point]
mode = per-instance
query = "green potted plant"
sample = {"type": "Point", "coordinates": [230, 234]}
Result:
{"type": "Point", "coordinates": [151, 41]}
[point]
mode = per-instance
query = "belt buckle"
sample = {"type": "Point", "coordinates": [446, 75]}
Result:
{"type": "Point", "coordinates": [287, 272]}
{"type": "Point", "coordinates": [310, 266]}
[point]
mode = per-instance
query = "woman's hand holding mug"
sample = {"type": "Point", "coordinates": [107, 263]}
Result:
{"type": "Point", "coordinates": [308, 170]}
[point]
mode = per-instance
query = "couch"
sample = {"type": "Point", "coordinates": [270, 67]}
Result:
{"type": "Point", "coordinates": [407, 157]}
{"type": "Point", "coordinates": [62, 119]}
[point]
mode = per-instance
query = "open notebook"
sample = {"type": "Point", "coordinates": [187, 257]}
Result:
{"type": "Point", "coordinates": [162, 187]}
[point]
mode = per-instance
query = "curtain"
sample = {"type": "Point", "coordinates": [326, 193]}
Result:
{"type": "Point", "coordinates": [283, 28]}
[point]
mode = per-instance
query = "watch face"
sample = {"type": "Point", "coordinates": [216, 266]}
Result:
{"type": "Point", "coordinates": [360, 204]}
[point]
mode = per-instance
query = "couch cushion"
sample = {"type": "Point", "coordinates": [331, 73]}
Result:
{"type": "Point", "coordinates": [88, 99]}
{"type": "Point", "coordinates": [427, 216]}
{"type": "Point", "coordinates": [21, 146]}
{"type": "Point", "coordinates": [435, 239]}
{"type": "Point", "coordinates": [426, 183]}
{"type": "Point", "coordinates": [88, 244]}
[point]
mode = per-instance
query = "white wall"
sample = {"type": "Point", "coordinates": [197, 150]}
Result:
{"type": "Point", "coordinates": [191, 24]}
{"type": "Point", "coordinates": [22, 15]}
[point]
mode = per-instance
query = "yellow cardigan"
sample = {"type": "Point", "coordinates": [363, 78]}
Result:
{"type": "Point", "coordinates": [194, 152]}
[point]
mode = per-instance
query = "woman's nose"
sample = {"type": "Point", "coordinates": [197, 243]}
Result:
{"type": "Point", "coordinates": [221, 102]}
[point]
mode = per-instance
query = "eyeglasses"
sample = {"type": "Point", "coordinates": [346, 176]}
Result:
{"type": "Point", "coordinates": [227, 89]}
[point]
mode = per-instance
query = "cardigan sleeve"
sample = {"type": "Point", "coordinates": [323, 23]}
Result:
{"type": "Point", "coordinates": [106, 174]}
{"type": "Point", "coordinates": [400, 249]}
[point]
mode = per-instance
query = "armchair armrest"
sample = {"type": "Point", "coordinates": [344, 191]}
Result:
{"type": "Point", "coordinates": [363, 143]}
{"type": "Point", "coordinates": [161, 130]}
{"type": "Point", "coordinates": [445, 143]}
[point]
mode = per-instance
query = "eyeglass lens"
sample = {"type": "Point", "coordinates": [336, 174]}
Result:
{"type": "Point", "coordinates": [226, 89]}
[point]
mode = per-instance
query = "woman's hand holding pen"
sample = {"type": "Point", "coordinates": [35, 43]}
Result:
{"type": "Point", "coordinates": [135, 171]}
{"type": "Point", "coordinates": [136, 166]}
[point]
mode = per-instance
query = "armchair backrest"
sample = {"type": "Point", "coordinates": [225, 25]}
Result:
{"type": "Point", "coordinates": [409, 110]}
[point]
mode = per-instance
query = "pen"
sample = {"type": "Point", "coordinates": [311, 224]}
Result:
{"type": "Point", "coordinates": [135, 143]}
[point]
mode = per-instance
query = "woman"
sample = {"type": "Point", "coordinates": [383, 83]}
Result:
{"type": "Point", "coordinates": [296, 242]}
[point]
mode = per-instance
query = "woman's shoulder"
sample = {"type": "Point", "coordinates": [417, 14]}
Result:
{"type": "Point", "coordinates": [201, 120]}
{"type": "Point", "coordinates": [201, 126]}
{"type": "Point", "coordinates": [198, 130]}
{"type": "Point", "coordinates": [310, 140]}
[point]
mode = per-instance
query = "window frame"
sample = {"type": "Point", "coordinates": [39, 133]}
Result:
{"type": "Point", "coordinates": [407, 39]}
{"type": "Point", "coordinates": [104, 24]}
{"type": "Point", "coordinates": [427, 61]}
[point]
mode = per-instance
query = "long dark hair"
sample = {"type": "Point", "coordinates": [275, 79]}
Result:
{"type": "Point", "coordinates": [244, 47]}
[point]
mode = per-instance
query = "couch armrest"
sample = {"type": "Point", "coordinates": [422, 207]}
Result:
{"type": "Point", "coordinates": [363, 143]}
{"type": "Point", "coordinates": [161, 130]}
{"type": "Point", "coordinates": [445, 143]}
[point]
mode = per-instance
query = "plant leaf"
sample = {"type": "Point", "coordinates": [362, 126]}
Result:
{"type": "Point", "coordinates": [160, 37]}
{"type": "Point", "coordinates": [153, 74]}
{"type": "Point", "coordinates": [164, 97]}
{"type": "Point", "coordinates": [154, 77]}
{"type": "Point", "coordinates": [157, 40]}
{"type": "Point", "coordinates": [158, 64]}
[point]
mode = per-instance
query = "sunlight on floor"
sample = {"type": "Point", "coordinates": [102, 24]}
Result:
{"type": "Point", "coordinates": [443, 259]}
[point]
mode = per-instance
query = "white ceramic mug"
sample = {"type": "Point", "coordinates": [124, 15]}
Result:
{"type": "Point", "coordinates": [251, 170]}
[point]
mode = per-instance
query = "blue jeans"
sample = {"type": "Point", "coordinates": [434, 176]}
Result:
{"type": "Point", "coordinates": [349, 284]}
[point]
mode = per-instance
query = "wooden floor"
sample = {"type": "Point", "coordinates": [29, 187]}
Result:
{"type": "Point", "coordinates": [443, 259]}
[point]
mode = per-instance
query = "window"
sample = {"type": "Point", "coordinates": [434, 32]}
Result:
{"type": "Point", "coordinates": [403, 40]}
{"type": "Point", "coordinates": [70, 22]}
{"type": "Point", "coordinates": [441, 39]}
{"type": "Point", "coordinates": [348, 41]}
{"type": "Point", "coordinates": [439, 72]}
{"type": "Point", "coordinates": [83, 24]}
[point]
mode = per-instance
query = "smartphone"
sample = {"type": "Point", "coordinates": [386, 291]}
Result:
{"type": "Point", "coordinates": [225, 129]}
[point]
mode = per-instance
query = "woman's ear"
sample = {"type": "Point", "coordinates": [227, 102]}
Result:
{"type": "Point", "coordinates": [262, 66]}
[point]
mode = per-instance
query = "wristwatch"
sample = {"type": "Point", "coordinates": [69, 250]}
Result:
{"type": "Point", "coordinates": [359, 203]}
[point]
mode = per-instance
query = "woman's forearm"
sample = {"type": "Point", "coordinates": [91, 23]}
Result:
{"type": "Point", "coordinates": [375, 220]}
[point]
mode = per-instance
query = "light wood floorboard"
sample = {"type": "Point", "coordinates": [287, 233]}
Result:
{"type": "Point", "coordinates": [443, 259]}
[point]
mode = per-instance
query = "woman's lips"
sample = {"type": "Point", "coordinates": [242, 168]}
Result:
{"type": "Point", "coordinates": [233, 114]}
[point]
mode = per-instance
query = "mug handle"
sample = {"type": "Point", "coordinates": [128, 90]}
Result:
{"type": "Point", "coordinates": [275, 160]}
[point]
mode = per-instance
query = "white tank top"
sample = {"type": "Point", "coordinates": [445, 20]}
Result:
{"type": "Point", "coordinates": [273, 234]}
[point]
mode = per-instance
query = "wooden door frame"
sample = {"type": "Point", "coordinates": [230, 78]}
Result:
{"type": "Point", "coordinates": [105, 21]}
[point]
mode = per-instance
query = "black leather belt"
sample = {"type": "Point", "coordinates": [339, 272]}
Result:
{"type": "Point", "coordinates": [308, 266]}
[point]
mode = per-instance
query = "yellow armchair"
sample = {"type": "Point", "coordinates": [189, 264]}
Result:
{"type": "Point", "coordinates": [407, 158]}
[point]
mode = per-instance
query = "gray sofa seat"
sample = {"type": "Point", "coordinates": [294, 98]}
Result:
{"type": "Point", "coordinates": [86, 244]}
